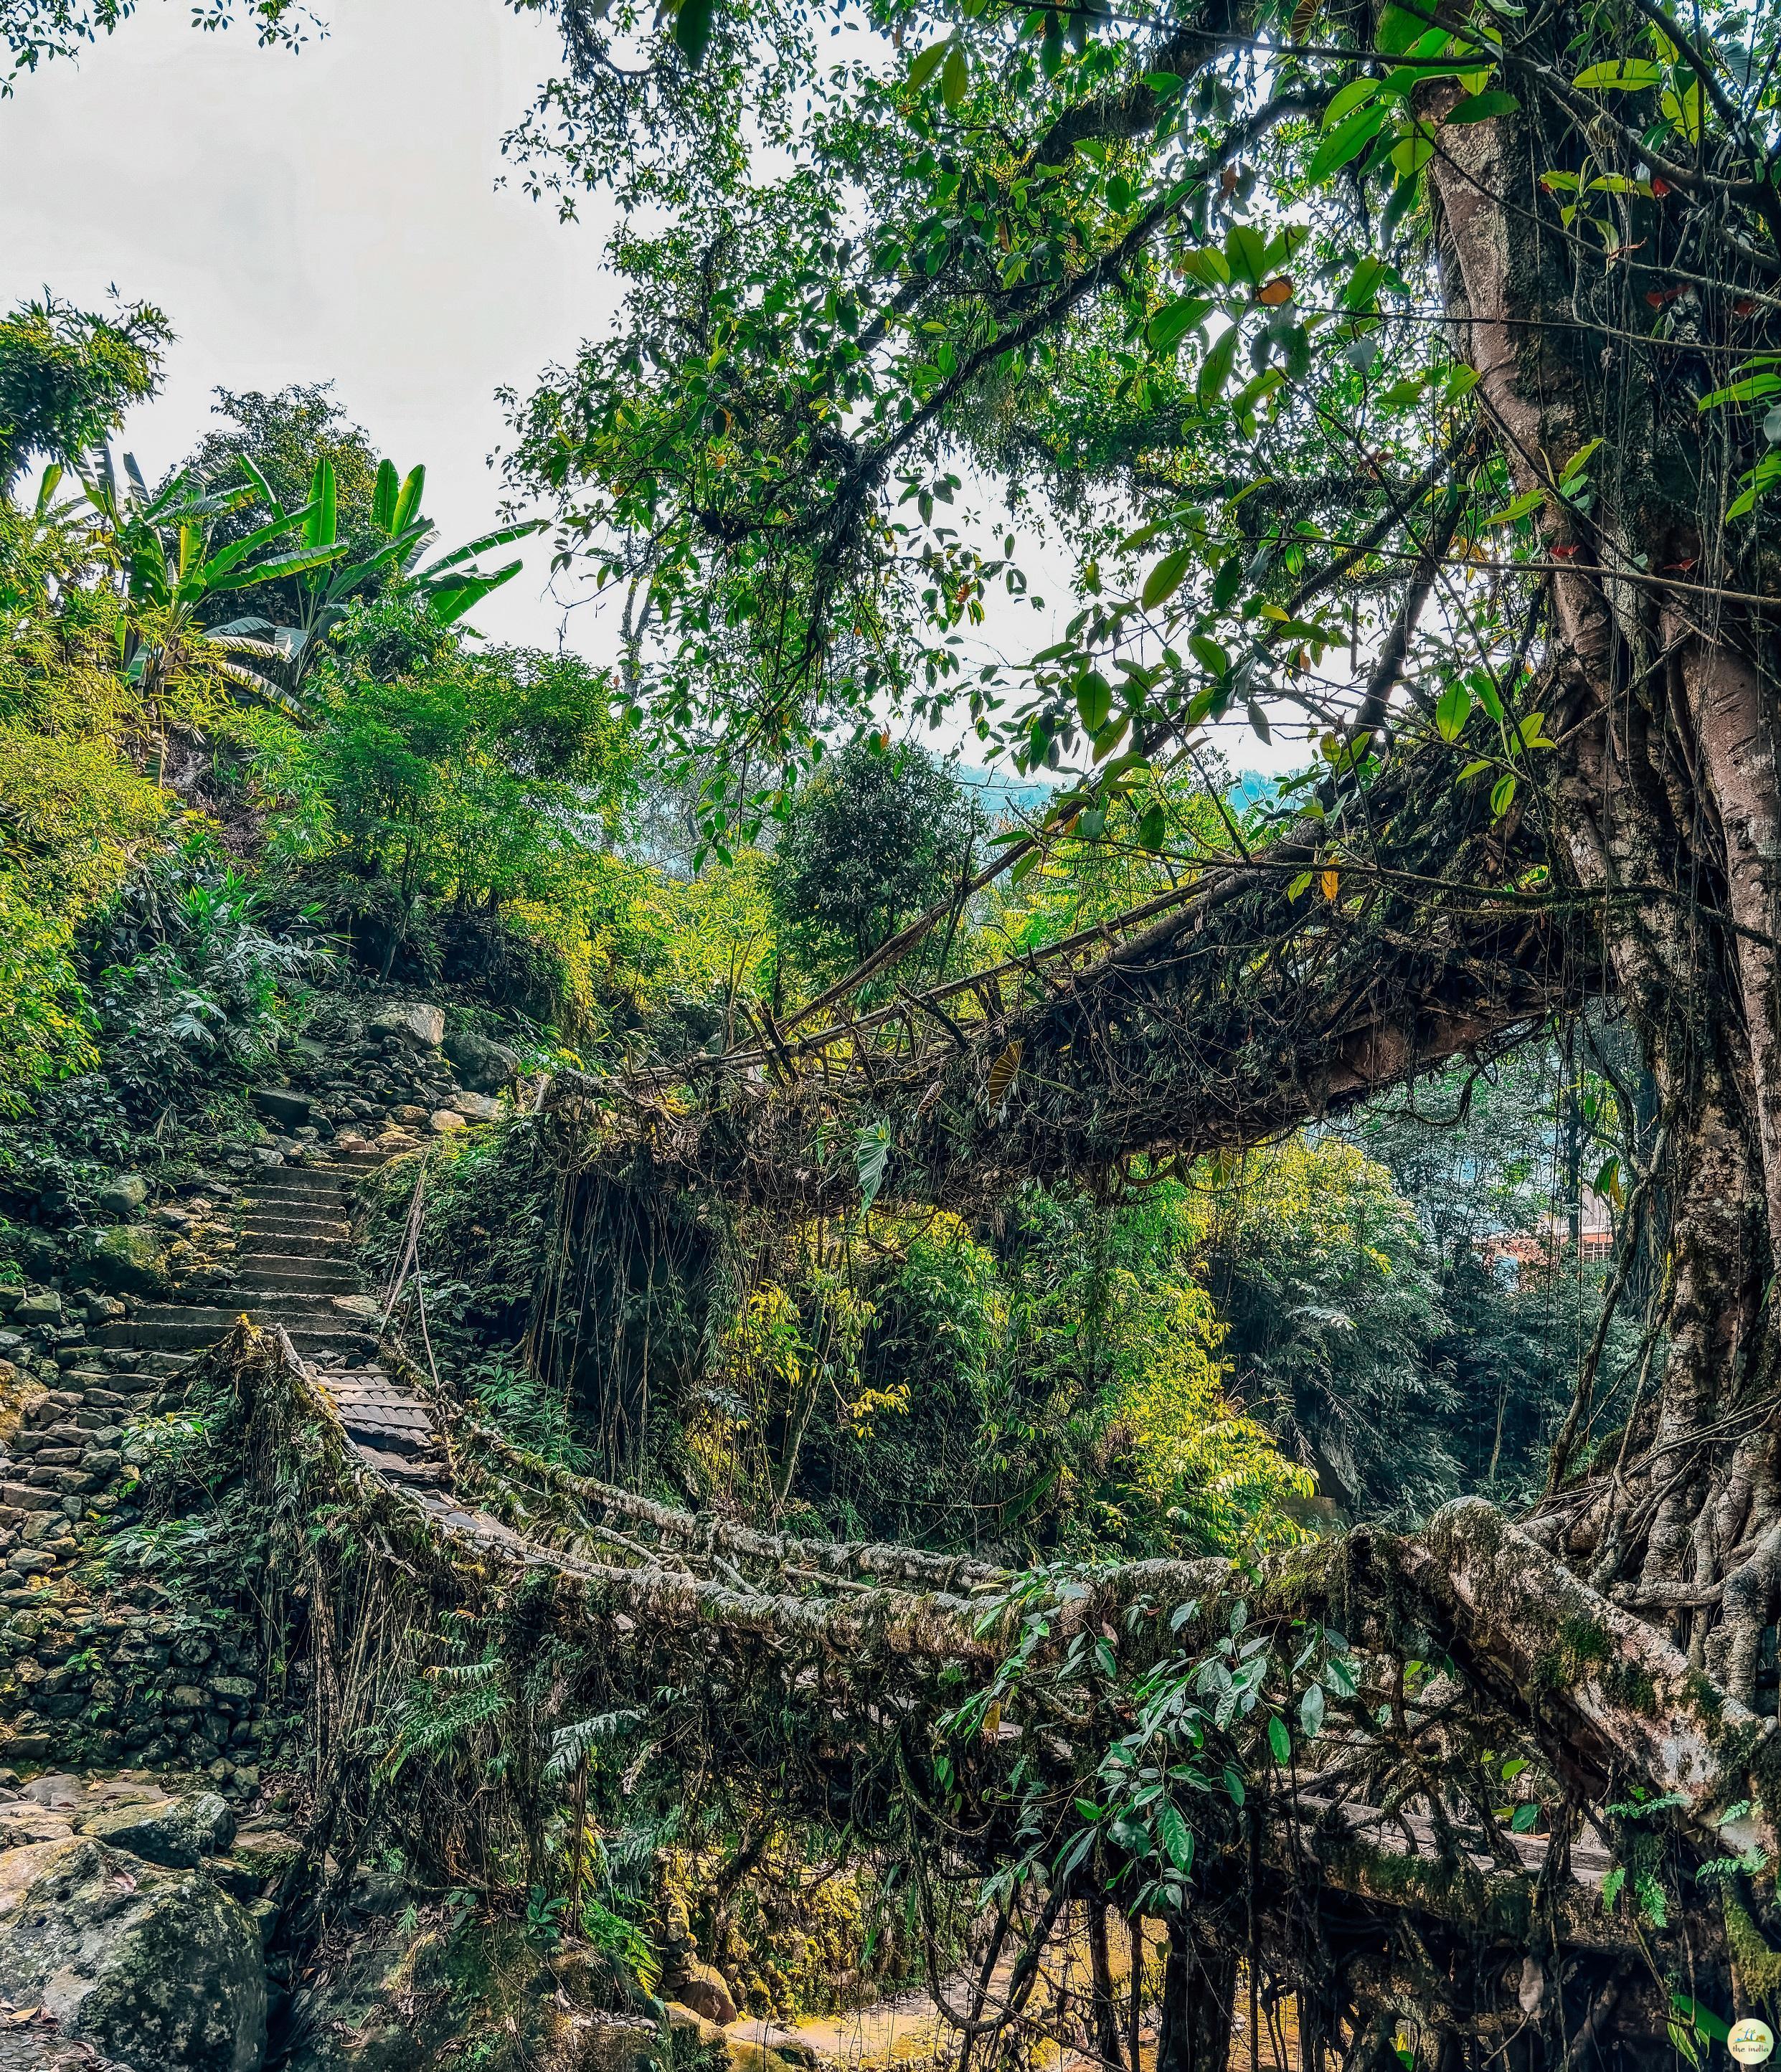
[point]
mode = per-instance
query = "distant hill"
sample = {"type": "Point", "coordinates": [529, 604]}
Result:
{"type": "Point", "coordinates": [1002, 793]}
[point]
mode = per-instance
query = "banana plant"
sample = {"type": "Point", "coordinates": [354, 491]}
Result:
{"type": "Point", "coordinates": [449, 586]}
{"type": "Point", "coordinates": [168, 573]}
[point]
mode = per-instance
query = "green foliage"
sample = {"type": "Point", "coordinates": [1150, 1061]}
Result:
{"type": "Point", "coordinates": [1060, 1386]}
{"type": "Point", "coordinates": [67, 375]}
{"type": "Point", "coordinates": [1319, 1267]}
{"type": "Point", "coordinates": [1192, 1732]}
{"type": "Point", "coordinates": [875, 837]}
{"type": "Point", "coordinates": [284, 436]}
{"type": "Point", "coordinates": [324, 588]}
{"type": "Point", "coordinates": [207, 993]}
{"type": "Point", "coordinates": [436, 772]}
{"type": "Point", "coordinates": [75, 817]}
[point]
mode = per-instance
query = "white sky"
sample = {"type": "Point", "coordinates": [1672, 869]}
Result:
{"type": "Point", "coordinates": [332, 215]}
{"type": "Point", "coordinates": [337, 215]}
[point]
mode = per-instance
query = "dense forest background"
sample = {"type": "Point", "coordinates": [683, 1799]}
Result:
{"type": "Point", "coordinates": [256, 757]}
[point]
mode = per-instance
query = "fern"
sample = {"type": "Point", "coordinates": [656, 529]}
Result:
{"type": "Point", "coordinates": [431, 1723]}
{"type": "Point", "coordinates": [568, 1745]}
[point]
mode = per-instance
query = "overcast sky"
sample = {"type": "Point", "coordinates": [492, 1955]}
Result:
{"type": "Point", "coordinates": [330, 214]}
{"type": "Point", "coordinates": [338, 215]}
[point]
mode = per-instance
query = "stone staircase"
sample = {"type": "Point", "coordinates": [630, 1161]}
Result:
{"type": "Point", "coordinates": [296, 1268]}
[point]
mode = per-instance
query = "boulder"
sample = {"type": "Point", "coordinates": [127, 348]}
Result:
{"type": "Point", "coordinates": [264, 1850]}
{"type": "Point", "coordinates": [768, 2036]}
{"type": "Point", "coordinates": [281, 1105]}
{"type": "Point", "coordinates": [704, 1989]}
{"type": "Point", "coordinates": [485, 1066]}
{"type": "Point", "coordinates": [408, 1115]}
{"type": "Point", "coordinates": [42, 1305]}
{"type": "Point", "coordinates": [123, 1196]}
{"type": "Point", "coordinates": [155, 1965]}
{"type": "Point", "coordinates": [476, 1107]}
{"type": "Point", "coordinates": [125, 1259]}
{"type": "Point", "coordinates": [415, 1019]}
{"type": "Point", "coordinates": [24, 1823]}
{"type": "Point", "coordinates": [37, 1254]}
{"type": "Point", "coordinates": [745, 2055]}
{"type": "Point", "coordinates": [445, 1120]}
{"type": "Point", "coordinates": [179, 1832]}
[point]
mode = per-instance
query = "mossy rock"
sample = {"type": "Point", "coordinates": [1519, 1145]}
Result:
{"type": "Point", "coordinates": [132, 1958]}
{"type": "Point", "coordinates": [125, 1259]}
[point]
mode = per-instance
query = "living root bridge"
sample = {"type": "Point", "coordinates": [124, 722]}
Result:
{"type": "Point", "coordinates": [1252, 1002]}
{"type": "Point", "coordinates": [815, 1668]}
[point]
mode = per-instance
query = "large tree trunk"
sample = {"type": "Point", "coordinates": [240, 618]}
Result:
{"type": "Point", "coordinates": [1666, 805]}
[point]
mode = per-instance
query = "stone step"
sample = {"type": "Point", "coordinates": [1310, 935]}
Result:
{"type": "Point", "coordinates": [327, 1200]}
{"type": "Point", "coordinates": [317, 1201]}
{"type": "Point", "coordinates": [274, 1309]}
{"type": "Point", "coordinates": [315, 1247]}
{"type": "Point", "coordinates": [342, 1169]}
{"type": "Point", "coordinates": [155, 1336]}
{"type": "Point", "coordinates": [273, 1270]}
{"type": "Point", "coordinates": [293, 1222]}
{"type": "Point", "coordinates": [265, 1301]}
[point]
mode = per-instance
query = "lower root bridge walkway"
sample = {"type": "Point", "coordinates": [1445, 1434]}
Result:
{"type": "Point", "coordinates": [884, 1630]}
{"type": "Point", "coordinates": [860, 1649]}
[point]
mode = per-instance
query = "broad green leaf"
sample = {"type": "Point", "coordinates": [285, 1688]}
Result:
{"type": "Point", "coordinates": [1310, 1711]}
{"type": "Point", "coordinates": [1246, 252]}
{"type": "Point", "coordinates": [448, 600]}
{"type": "Point", "coordinates": [1094, 701]}
{"type": "Point", "coordinates": [1177, 1838]}
{"type": "Point", "coordinates": [1748, 388]}
{"type": "Point", "coordinates": [238, 550]}
{"type": "Point", "coordinates": [1398, 29]}
{"type": "Point", "coordinates": [504, 536]}
{"type": "Point", "coordinates": [1527, 501]}
{"type": "Point", "coordinates": [1172, 323]}
{"type": "Point", "coordinates": [1279, 1739]}
{"type": "Point", "coordinates": [1208, 265]}
{"type": "Point", "coordinates": [1166, 578]}
{"type": "Point", "coordinates": [1483, 106]}
{"type": "Point", "coordinates": [692, 24]}
{"type": "Point", "coordinates": [1525, 1819]}
{"type": "Point", "coordinates": [1214, 372]}
{"type": "Point", "coordinates": [1355, 94]}
{"type": "Point", "coordinates": [1683, 113]}
{"type": "Point", "coordinates": [319, 527]}
{"type": "Point", "coordinates": [408, 504]}
{"type": "Point", "coordinates": [1345, 142]}
{"type": "Point", "coordinates": [1228, 581]}
{"type": "Point", "coordinates": [1712, 2026]}
{"type": "Point", "coordinates": [1209, 653]}
{"type": "Point", "coordinates": [1502, 796]}
{"type": "Point", "coordinates": [1619, 76]}
{"type": "Point", "coordinates": [269, 495]}
{"type": "Point", "coordinates": [1413, 151]}
{"type": "Point", "coordinates": [296, 563]}
{"type": "Point", "coordinates": [1453, 711]}
{"type": "Point", "coordinates": [1362, 292]}
{"type": "Point", "coordinates": [955, 77]}
{"type": "Point", "coordinates": [928, 63]}
{"type": "Point", "coordinates": [383, 497]}
{"type": "Point", "coordinates": [871, 1154]}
